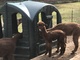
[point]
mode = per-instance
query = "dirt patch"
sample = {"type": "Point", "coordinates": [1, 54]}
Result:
{"type": "Point", "coordinates": [66, 56]}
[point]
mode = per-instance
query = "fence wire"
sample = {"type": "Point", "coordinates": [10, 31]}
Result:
{"type": "Point", "coordinates": [70, 15]}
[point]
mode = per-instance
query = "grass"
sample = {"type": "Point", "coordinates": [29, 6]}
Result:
{"type": "Point", "coordinates": [69, 5]}
{"type": "Point", "coordinates": [70, 12]}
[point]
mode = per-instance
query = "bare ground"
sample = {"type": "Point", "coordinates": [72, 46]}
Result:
{"type": "Point", "coordinates": [66, 56]}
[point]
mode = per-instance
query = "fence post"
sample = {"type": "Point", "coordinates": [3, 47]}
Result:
{"type": "Point", "coordinates": [72, 15]}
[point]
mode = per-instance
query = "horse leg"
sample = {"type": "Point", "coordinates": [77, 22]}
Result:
{"type": "Point", "coordinates": [5, 58]}
{"type": "Point", "coordinates": [62, 42]}
{"type": "Point", "coordinates": [46, 50]}
{"type": "Point", "coordinates": [75, 40]}
{"type": "Point", "coordinates": [63, 46]}
{"type": "Point", "coordinates": [50, 50]}
{"type": "Point", "coordinates": [10, 57]}
{"type": "Point", "coordinates": [49, 46]}
{"type": "Point", "coordinates": [58, 45]}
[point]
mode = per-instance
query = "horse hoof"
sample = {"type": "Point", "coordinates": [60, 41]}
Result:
{"type": "Point", "coordinates": [73, 53]}
{"type": "Point", "coordinates": [61, 54]}
{"type": "Point", "coordinates": [49, 55]}
{"type": "Point", "coordinates": [57, 51]}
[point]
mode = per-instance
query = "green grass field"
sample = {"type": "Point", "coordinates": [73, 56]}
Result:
{"type": "Point", "coordinates": [70, 12]}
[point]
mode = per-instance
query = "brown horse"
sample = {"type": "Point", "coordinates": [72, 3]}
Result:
{"type": "Point", "coordinates": [69, 29]}
{"type": "Point", "coordinates": [48, 36]}
{"type": "Point", "coordinates": [8, 45]}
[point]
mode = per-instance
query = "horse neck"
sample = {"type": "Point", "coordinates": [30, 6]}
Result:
{"type": "Point", "coordinates": [44, 32]}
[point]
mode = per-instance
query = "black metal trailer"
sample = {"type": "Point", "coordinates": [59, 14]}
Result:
{"type": "Point", "coordinates": [31, 45]}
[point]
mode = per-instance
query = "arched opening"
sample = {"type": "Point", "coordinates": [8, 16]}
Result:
{"type": "Point", "coordinates": [54, 19]}
{"type": "Point", "coordinates": [39, 17]}
{"type": "Point", "coordinates": [19, 20]}
{"type": "Point", "coordinates": [1, 26]}
{"type": "Point", "coordinates": [16, 23]}
{"type": "Point", "coordinates": [42, 16]}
